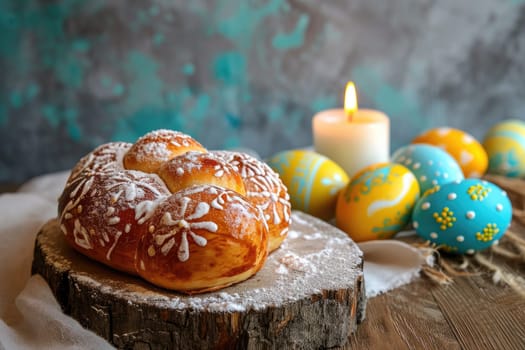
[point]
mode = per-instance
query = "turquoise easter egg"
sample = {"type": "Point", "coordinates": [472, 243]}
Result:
{"type": "Point", "coordinates": [505, 146]}
{"type": "Point", "coordinates": [313, 181]}
{"type": "Point", "coordinates": [463, 217]}
{"type": "Point", "coordinates": [430, 164]}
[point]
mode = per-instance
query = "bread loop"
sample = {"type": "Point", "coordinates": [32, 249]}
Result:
{"type": "Point", "coordinates": [169, 211]}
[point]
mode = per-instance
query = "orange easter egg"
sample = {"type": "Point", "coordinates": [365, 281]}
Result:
{"type": "Point", "coordinates": [468, 152]}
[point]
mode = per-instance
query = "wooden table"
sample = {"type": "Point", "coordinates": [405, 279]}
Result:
{"type": "Point", "coordinates": [470, 313]}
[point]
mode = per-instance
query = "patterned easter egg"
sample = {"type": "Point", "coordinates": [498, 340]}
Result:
{"type": "Point", "coordinates": [378, 202]}
{"type": "Point", "coordinates": [505, 145]}
{"type": "Point", "coordinates": [313, 181]}
{"type": "Point", "coordinates": [431, 165]}
{"type": "Point", "coordinates": [465, 149]}
{"type": "Point", "coordinates": [463, 217]}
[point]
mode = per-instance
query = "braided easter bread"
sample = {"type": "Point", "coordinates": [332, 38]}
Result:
{"type": "Point", "coordinates": [173, 213]}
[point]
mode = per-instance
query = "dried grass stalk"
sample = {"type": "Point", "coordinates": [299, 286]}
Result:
{"type": "Point", "coordinates": [499, 275]}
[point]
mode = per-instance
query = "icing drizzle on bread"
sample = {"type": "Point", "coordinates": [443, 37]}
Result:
{"type": "Point", "coordinates": [177, 215]}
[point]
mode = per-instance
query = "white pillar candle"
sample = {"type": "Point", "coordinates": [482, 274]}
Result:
{"type": "Point", "coordinates": [352, 139]}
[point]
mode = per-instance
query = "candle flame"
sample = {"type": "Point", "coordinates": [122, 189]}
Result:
{"type": "Point", "coordinates": [350, 100]}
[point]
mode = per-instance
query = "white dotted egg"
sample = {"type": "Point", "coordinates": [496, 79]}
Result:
{"type": "Point", "coordinates": [463, 217]}
{"type": "Point", "coordinates": [431, 165]}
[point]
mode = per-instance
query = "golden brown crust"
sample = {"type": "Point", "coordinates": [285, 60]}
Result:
{"type": "Point", "coordinates": [98, 207]}
{"type": "Point", "coordinates": [210, 238]}
{"type": "Point", "coordinates": [157, 147]}
{"type": "Point", "coordinates": [194, 168]}
{"type": "Point", "coordinates": [192, 230]}
{"type": "Point", "coordinates": [265, 190]}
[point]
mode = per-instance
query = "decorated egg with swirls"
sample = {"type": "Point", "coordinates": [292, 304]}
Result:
{"type": "Point", "coordinates": [313, 181]}
{"type": "Point", "coordinates": [430, 164]}
{"type": "Point", "coordinates": [505, 146]}
{"type": "Point", "coordinates": [378, 202]}
{"type": "Point", "coordinates": [463, 217]}
{"type": "Point", "coordinates": [465, 149]}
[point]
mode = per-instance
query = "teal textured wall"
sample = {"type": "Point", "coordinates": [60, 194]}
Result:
{"type": "Point", "coordinates": [231, 73]}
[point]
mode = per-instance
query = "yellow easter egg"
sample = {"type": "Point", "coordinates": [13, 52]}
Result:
{"type": "Point", "coordinates": [378, 202]}
{"type": "Point", "coordinates": [313, 181]}
{"type": "Point", "coordinates": [505, 145]}
{"type": "Point", "coordinates": [465, 149]}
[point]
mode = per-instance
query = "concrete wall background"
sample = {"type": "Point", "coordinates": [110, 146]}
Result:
{"type": "Point", "coordinates": [74, 74]}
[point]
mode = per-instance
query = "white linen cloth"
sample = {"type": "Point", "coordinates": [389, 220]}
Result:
{"type": "Point", "coordinates": [390, 264]}
{"type": "Point", "coordinates": [31, 318]}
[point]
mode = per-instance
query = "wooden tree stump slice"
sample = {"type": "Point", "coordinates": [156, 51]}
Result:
{"type": "Point", "coordinates": [310, 294]}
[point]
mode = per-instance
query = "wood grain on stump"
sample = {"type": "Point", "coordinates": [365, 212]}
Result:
{"type": "Point", "coordinates": [309, 294]}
